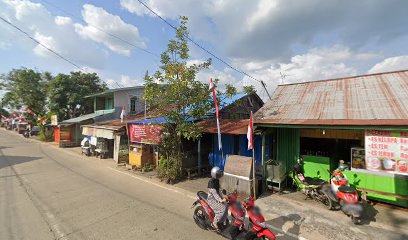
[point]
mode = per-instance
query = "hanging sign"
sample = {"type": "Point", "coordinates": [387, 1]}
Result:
{"type": "Point", "coordinates": [387, 151]}
{"type": "Point", "coordinates": [54, 120]}
{"type": "Point", "coordinates": [144, 133]}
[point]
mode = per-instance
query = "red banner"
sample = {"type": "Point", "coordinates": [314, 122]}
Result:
{"type": "Point", "coordinates": [146, 133]}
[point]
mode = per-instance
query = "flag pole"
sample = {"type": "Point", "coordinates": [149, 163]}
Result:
{"type": "Point", "coordinates": [253, 159]}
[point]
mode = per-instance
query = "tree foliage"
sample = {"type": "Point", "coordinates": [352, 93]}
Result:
{"type": "Point", "coordinates": [174, 92]}
{"type": "Point", "coordinates": [66, 93]}
{"type": "Point", "coordinates": [25, 87]}
{"type": "Point", "coordinates": [4, 113]}
{"type": "Point", "coordinates": [248, 89]}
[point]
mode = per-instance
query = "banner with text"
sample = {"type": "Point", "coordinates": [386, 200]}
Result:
{"type": "Point", "coordinates": [387, 151]}
{"type": "Point", "coordinates": [144, 133]}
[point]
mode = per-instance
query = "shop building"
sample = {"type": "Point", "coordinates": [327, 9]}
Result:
{"type": "Point", "coordinates": [107, 107]}
{"type": "Point", "coordinates": [362, 120]}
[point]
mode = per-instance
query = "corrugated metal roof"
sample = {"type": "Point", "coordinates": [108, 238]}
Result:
{"type": "Point", "coordinates": [227, 126]}
{"type": "Point", "coordinates": [114, 90]}
{"type": "Point", "coordinates": [374, 98]}
{"type": "Point", "coordinates": [82, 118]}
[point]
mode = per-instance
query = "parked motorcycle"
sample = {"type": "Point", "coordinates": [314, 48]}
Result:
{"type": "Point", "coordinates": [311, 187]}
{"type": "Point", "coordinates": [204, 216]}
{"type": "Point", "coordinates": [26, 133]}
{"type": "Point", "coordinates": [344, 196]}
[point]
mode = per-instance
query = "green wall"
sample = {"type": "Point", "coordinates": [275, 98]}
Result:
{"type": "Point", "coordinates": [288, 147]}
{"type": "Point", "coordinates": [388, 184]}
{"type": "Point", "coordinates": [317, 167]}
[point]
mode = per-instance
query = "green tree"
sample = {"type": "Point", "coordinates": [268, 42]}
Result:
{"type": "Point", "coordinates": [174, 92]}
{"type": "Point", "coordinates": [248, 89]}
{"type": "Point", "coordinates": [66, 93]}
{"type": "Point", "coordinates": [4, 113]}
{"type": "Point", "coordinates": [25, 87]}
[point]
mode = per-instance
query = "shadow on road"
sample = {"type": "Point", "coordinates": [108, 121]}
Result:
{"type": "Point", "coordinates": [6, 161]}
{"type": "Point", "coordinates": [369, 214]}
{"type": "Point", "coordinates": [294, 221]}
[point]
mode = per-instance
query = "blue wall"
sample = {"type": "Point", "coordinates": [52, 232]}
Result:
{"type": "Point", "coordinates": [217, 158]}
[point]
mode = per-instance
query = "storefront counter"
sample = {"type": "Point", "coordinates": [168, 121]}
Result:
{"type": "Point", "coordinates": [317, 167]}
{"type": "Point", "coordinates": [389, 183]}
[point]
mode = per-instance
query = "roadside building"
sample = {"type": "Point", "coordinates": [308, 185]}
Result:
{"type": "Point", "coordinates": [198, 154]}
{"type": "Point", "coordinates": [362, 120]}
{"type": "Point", "coordinates": [107, 106]}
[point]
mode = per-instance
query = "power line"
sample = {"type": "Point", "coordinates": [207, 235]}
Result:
{"type": "Point", "coordinates": [100, 29]}
{"type": "Point", "coordinates": [47, 48]}
{"type": "Point", "coordinates": [205, 50]}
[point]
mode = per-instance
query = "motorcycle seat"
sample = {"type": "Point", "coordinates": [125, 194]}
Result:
{"type": "Point", "coordinates": [314, 181]}
{"type": "Point", "coordinates": [202, 195]}
{"type": "Point", "coordinates": [346, 189]}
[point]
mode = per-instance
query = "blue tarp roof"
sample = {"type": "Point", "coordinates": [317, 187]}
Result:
{"type": "Point", "coordinates": [226, 102]}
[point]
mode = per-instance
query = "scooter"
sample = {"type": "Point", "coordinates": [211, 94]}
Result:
{"type": "Point", "coordinates": [311, 187]}
{"type": "Point", "coordinates": [257, 224]}
{"type": "Point", "coordinates": [26, 133]}
{"type": "Point", "coordinates": [204, 216]}
{"type": "Point", "coordinates": [341, 194]}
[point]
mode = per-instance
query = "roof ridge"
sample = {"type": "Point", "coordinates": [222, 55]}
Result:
{"type": "Point", "coordinates": [345, 78]}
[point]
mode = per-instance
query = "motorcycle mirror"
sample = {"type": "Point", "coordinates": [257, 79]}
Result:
{"type": "Point", "coordinates": [224, 191]}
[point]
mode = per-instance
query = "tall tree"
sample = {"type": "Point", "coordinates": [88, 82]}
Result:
{"type": "Point", "coordinates": [4, 113]}
{"type": "Point", "coordinates": [174, 92]}
{"type": "Point", "coordinates": [25, 87]}
{"type": "Point", "coordinates": [66, 93]}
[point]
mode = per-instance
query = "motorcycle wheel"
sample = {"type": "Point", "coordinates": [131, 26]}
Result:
{"type": "Point", "coordinates": [327, 201]}
{"type": "Point", "coordinates": [355, 220]}
{"type": "Point", "coordinates": [200, 213]}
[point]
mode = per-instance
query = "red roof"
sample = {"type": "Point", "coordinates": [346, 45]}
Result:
{"type": "Point", "coordinates": [227, 126]}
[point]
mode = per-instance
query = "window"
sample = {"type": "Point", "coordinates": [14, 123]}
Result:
{"type": "Point", "coordinates": [133, 101]}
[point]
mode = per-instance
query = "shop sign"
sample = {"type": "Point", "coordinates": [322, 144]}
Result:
{"type": "Point", "coordinates": [387, 151]}
{"type": "Point", "coordinates": [54, 120]}
{"type": "Point", "coordinates": [144, 133]}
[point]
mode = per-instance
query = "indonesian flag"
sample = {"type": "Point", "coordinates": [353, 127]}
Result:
{"type": "Point", "coordinates": [212, 87]}
{"type": "Point", "coordinates": [250, 133]}
{"type": "Point", "coordinates": [122, 114]}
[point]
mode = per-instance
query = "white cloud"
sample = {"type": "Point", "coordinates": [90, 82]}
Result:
{"type": "Point", "coordinates": [391, 64]}
{"type": "Point", "coordinates": [274, 29]}
{"type": "Point", "coordinates": [124, 81]}
{"type": "Point", "coordinates": [57, 33]}
{"type": "Point", "coordinates": [98, 19]}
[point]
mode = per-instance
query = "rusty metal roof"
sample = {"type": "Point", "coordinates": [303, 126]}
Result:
{"type": "Point", "coordinates": [380, 99]}
{"type": "Point", "coordinates": [227, 126]}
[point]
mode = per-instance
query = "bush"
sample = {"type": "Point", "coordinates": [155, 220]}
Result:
{"type": "Point", "coordinates": [45, 136]}
{"type": "Point", "coordinates": [169, 169]}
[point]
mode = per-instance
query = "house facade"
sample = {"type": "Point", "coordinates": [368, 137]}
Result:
{"type": "Point", "coordinates": [107, 107]}
{"type": "Point", "coordinates": [361, 120]}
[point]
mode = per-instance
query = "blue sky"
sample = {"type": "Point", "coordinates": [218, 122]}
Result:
{"type": "Point", "coordinates": [303, 40]}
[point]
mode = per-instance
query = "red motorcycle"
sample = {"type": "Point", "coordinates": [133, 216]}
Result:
{"type": "Point", "coordinates": [259, 230]}
{"type": "Point", "coordinates": [204, 216]}
{"type": "Point", "coordinates": [341, 194]}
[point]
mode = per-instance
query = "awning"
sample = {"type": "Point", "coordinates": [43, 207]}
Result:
{"type": "Point", "coordinates": [100, 131]}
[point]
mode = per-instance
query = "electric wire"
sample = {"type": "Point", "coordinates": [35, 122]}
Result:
{"type": "Point", "coordinates": [205, 50]}
{"type": "Point", "coordinates": [100, 29]}
{"type": "Point", "coordinates": [47, 48]}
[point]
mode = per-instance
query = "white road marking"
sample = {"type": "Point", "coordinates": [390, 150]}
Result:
{"type": "Point", "coordinates": [193, 197]}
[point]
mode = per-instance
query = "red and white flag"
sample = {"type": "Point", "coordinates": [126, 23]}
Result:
{"type": "Point", "coordinates": [122, 114]}
{"type": "Point", "coordinates": [250, 133]}
{"type": "Point", "coordinates": [212, 87]}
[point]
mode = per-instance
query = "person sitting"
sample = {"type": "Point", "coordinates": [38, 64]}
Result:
{"type": "Point", "coordinates": [215, 199]}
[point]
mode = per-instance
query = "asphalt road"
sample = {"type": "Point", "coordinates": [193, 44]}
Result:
{"type": "Point", "coordinates": [49, 193]}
